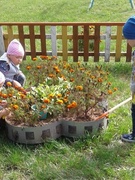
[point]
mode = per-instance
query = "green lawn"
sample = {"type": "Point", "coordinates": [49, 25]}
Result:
{"type": "Point", "coordinates": [65, 10]}
{"type": "Point", "coordinates": [102, 157]}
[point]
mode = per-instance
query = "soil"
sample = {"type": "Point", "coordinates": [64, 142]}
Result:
{"type": "Point", "coordinates": [92, 115]}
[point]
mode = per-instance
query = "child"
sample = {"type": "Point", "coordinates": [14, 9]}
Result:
{"type": "Point", "coordinates": [129, 34]}
{"type": "Point", "coordinates": [3, 110]}
{"type": "Point", "coordinates": [9, 63]}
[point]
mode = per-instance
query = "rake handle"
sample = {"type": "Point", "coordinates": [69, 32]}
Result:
{"type": "Point", "coordinates": [112, 109]}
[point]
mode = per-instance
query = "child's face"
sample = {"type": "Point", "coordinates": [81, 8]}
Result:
{"type": "Point", "coordinates": [15, 59]}
{"type": "Point", "coordinates": [131, 42]}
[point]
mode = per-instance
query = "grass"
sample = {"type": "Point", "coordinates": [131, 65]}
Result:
{"type": "Point", "coordinates": [64, 11]}
{"type": "Point", "coordinates": [101, 157]}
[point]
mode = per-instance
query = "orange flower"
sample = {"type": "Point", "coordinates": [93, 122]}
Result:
{"type": "Point", "coordinates": [22, 96]}
{"type": "Point", "coordinates": [46, 100]}
{"type": "Point", "coordinates": [109, 91]}
{"type": "Point", "coordinates": [72, 79]}
{"type": "Point", "coordinates": [92, 77]}
{"type": "Point", "coordinates": [109, 83]}
{"type": "Point", "coordinates": [55, 67]}
{"type": "Point", "coordinates": [10, 95]}
{"type": "Point", "coordinates": [82, 69]}
{"type": "Point", "coordinates": [44, 57]}
{"type": "Point", "coordinates": [100, 80]}
{"type": "Point", "coordinates": [43, 106]}
{"type": "Point", "coordinates": [65, 100]}
{"type": "Point", "coordinates": [51, 75]}
{"type": "Point", "coordinates": [72, 105]}
{"type": "Point", "coordinates": [39, 67]}
{"type": "Point", "coordinates": [71, 70]}
{"type": "Point", "coordinates": [28, 67]}
{"type": "Point", "coordinates": [4, 96]}
{"type": "Point", "coordinates": [57, 70]}
{"type": "Point", "coordinates": [34, 59]}
{"type": "Point", "coordinates": [115, 89]}
{"type": "Point", "coordinates": [79, 88]}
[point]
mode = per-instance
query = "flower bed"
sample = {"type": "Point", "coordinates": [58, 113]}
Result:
{"type": "Point", "coordinates": [69, 91]}
{"type": "Point", "coordinates": [63, 89]}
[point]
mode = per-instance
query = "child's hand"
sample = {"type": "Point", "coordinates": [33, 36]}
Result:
{"type": "Point", "coordinates": [4, 112]}
{"type": "Point", "coordinates": [3, 103]}
{"type": "Point", "coordinates": [16, 84]}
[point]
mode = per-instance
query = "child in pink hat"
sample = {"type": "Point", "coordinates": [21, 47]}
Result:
{"type": "Point", "coordinates": [10, 61]}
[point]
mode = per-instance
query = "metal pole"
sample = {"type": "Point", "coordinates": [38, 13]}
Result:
{"type": "Point", "coordinates": [132, 4]}
{"type": "Point", "coordinates": [91, 4]}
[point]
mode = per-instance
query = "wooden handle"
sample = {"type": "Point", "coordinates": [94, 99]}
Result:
{"type": "Point", "coordinates": [112, 109]}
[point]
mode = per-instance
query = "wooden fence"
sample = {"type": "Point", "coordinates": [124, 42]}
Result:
{"type": "Point", "coordinates": [69, 40]}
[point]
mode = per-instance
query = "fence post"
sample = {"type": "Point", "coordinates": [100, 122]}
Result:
{"type": "Point", "coordinates": [53, 40]}
{"type": "Point", "coordinates": [2, 47]}
{"type": "Point", "coordinates": [107, 43]}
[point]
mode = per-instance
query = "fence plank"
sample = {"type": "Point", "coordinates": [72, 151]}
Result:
{"type": "Point", "coordinates": [10, 34]}
{"type": "Point", "coordinates": [107, 43]}
{"type": "Point", "coordinates": [86, 42]}
{"type": "Point", "coordinates": [32, 41]}
{"type": "Point", "coordinates": [43, 40]}
{"type": "Point", "coordinates": [96, 43]}
{"type": "Point", "coordinates": [21, 37]}
{"type": "Point", "coordinates": [53, 41]}
{"type": "Point", "coordinates": [75, 43]}
{"type": "Point", "coordinates": [64, 42]}
{"type": "Point", "coordinates": [118, 43]}
{"type": "Point", "coordinates": [128, 54]}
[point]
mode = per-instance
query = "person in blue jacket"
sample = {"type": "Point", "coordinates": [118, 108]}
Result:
{"type": "Point", "coordinates": [129, 34]}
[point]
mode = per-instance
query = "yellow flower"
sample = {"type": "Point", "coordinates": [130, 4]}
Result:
{"type": "Point", "coordinates": [51, 95]}
{"type": "Point", "coordinates": [15, 107]}
{"type": "Point", "coordinates": [9, 84]}
{"type": "Point", "coordinates": [59, 95]}
{"type": "Point", "coordinates": [60, 101]}
{"type": "Point", "coordinates": [79, 88]}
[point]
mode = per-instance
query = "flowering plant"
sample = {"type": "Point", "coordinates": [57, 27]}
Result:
{"type": "Point", "coordinates": [62, 89]}
{"type": "Point", "coordinates": [19, 102]}
{"type": "Point", "coordinates": [81, 89]}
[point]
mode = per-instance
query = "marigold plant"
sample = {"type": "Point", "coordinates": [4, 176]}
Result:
{"type": "Point", "coordinates": [89, 87]}
{"type": "Point", "coordinates": [72, 90]}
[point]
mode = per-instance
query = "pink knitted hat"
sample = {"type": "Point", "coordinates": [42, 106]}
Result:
{"type": "Point", "coordinates": [15, 48]}
{"type": "Point", "coordinates": [2, 78]}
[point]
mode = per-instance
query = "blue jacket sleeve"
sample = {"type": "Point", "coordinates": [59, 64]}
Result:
{"type": "Point", "coordinates": [4, 67]}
